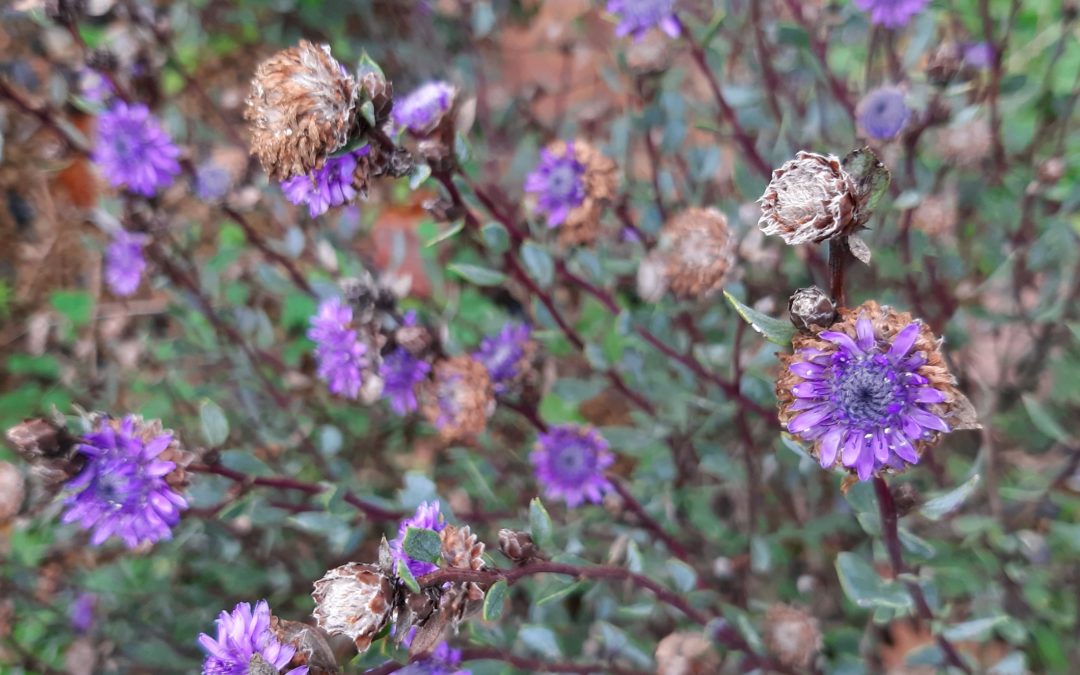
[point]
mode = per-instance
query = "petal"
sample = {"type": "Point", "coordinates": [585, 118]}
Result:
{"type": "Point", "coordinates": [852, 448]}
{"type": "Point", "coordinates": [928, 420]}
{"type": "Point", "coordinates": [807, 420]}
{"type": "Point", "coordinates": [903, 342]}
{"type": "Point", "coordinates": [880, 446]}
{"type": "Point", "coordinates": [865, 466]}
{"type": "Point", "coordinates": [864, 331]}
{"type": "Point", "coordinates": [829, 447]}
{"type": "Point", "coordinates": [807, 371]}
{"type": "Point", "coordinates": [930, 395]}
{"type": "Point", "coordinates": [842, 340]}
{"type": "Point", "coordinates": [904, 450]}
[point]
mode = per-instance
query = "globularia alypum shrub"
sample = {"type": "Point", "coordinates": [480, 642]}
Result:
{"type": "Point", "coordinates": [488, 372]}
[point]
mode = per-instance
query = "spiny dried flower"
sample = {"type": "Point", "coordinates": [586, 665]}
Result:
{"type": "Point", "coordinates": [302, 107]}
{"type": "Point", "coordinates": [937, 214]}
{"type": "Point", "coordinates": [402, 373]}
{"type": "Point", "coordinates": [572, 183]}
{"type": "Point", "coordinates": [354, 600]}
{"type": "Point", "coordinates": [12, 491]}
{"type": "Point", "coordinates": [123, 490]}
{"type": "Point", "coordinates": [697, 251]}
{"type": "Point", "coordinates": [508, 355]}
{"type": "Point", "coordinates": [338, 351]}
{"type": "Point", "coordinates": [872, 393]}
{"type": "Point", "coordinates": [882, 113]}
{"type": "Point", "coordinates": [891, 13]}
{"type": "Point", "coordinates": [811, 307]}
{"type": "Point", "coordinates": [809, 199]}
{"type": "Point", "coordinates": [459, 398]}
{"type": "Point", "coordinates": [424, 110]}
{"type": "Point", "coordinates": [311, 643]}
{"type": "Point", "coordinates": [569, 461]}
{"type": "Point", "coordinates": [792, 635]}
{"type": "Point", "coordinates": [637, 17]}
{"type": "Point", "coordinates": [461, 549]}
{"type": "Point", "coordinates": [427, 517]}
{"type": "Point", "coordinates": [686, 653]}
{"type": "Point", "coordinates": [133, 151]}
{"type": "Point", "coordinates": [965, 144]}
{"type": "Point", "coordinates": [243, 638]}
{"type": "Point", "coordinates": [334, 184]}
{"type": "Point", "coordinates": [124, 262]}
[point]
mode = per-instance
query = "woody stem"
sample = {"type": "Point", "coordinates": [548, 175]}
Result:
{"type": "Point", "coordinates": [839, 255]}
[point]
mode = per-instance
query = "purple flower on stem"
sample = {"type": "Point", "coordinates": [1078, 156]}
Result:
{"type": "Point", "coordinates": [401, 372]}
{"type": "Point", "coordinates": [122, 489]}
{"type": "Point", "coordinates": [978, 55]}
{"type": "Point", "coordinates": [81, 613]}
{"type": "Point", "coordinates": [570, 461]}
{"type": "Point", "coordinates": [133, 151]}
{"type": "Point", "coordinates": [421, 111]}
{"type": "Point", "coordinates": [124, 262]}
{"type": "Point", "coordinates": [212, 181]}
{"type": "Point", "coordinates": [882, 113]}
{"type": "Point", "coordinates": [241, 634]}
{"type": "Point", "coordinates": [865, 401]}
{"type": "Point", "coordinates": [636, 17]}
{"type": "Point", "coordinates": [332, 185]}
{"type": "Point", "coordinates": [501, 354]}
{"type": "Point", "coordinates": [443, 660]}
{"type": "Point", "coordinates": [891, 13]}
{"type": "Point", "coordinates": [338, 352]}
{"type": "Point", "coordinates": [558, 183]}
{"type": "Point", "coordinates": [427, 517]}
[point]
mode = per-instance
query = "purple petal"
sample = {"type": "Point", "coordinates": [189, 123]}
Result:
{"type": "Point", "coordinates": [864, 330]}
{"type": "Point", "coordinates": [841, 340]}
{"type": "Point", "coordinates": [903, 341]}
{"type": "Point", "coordinates": [829, 447]}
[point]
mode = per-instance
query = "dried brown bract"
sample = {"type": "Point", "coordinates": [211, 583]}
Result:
{"type": "Point", "coordinates": [810, 199]}
{"type": "Point", "coordinates": [354, 600]}
{"type": "Point", "coordinates": [459, 398]}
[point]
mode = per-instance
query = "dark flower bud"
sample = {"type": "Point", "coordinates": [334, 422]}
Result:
{"type": "Point", "coordinates": [367, 297]}
{"type": "Point", "coordinates": [811, 307]}
{"type": "Point", "coordinates": [48, 447]}
{"type": "Point", "coordinates": [518, 546]}
{"type": "Point", "coordinates": [380, 92]}
{"type": "Point", "coordinates": [906, 497]}
{"type": "Point", "coordinates": [311, 643]}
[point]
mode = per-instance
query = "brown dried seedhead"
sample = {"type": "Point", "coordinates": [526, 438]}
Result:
{"type": "Point", "coordinates": [686, 653]}
{"type": "Point", "coordinates": [354, 600]}
{"type": "Point", "coordinates": [459, 398]}
{"type": "Point", "coordinates": [697, 252]}
{"type": "Point", "coordinates": [792, 635]}
{"type": "Point", "coordinates": [582, 224]}
{"type": "Point", "coordinates": [810, 199]}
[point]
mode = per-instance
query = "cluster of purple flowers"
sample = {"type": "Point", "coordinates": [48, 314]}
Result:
{"type": "Point", "coordinates": [332, 185]}
{"type": "Point", "coordinates": [401, 372]}
{"type": "Point", "coordinates": [122, 489]}
{"type": "Point", "coordinates": [133, 151]}
{"type": "Point", "coordinates": [241, 634]}
{"type": "Point", "coordinates": [124, 262]}
{"type": "Point", "coordinates": [558, 183]}
{"type": "Point", "coordinates": [427, 517]}
{"type": "Point", "coordinates": [637, 17]}
{"type": "Point", "coordinates": [501, 354]}
{"type": "Point", "coordinates": [891, 13]}
{"type": "Point", "coordinates": [570, 461]}
{"type": "Point", "coordinates": [422, 110]}
{"type": "Point", "coordinates": [339, 354]}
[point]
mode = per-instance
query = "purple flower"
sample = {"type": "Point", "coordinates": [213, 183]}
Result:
{"type": "Point", "coordinates": [122, 490]}
{"type": "Point", "coordinates": [882, 113]}
{"type": "Point", "coordinates": [401, 372]}
{"type": "Point", "coordinates": [865, 400]}
{"type": "Point", "coordinates": [570, 461]}
{"type": "Point", "coordinates": [133, 151]}
{"type": "Point", "coordinates": [502, 353]}
{"type": "Point", "coordinates": [124, 262]}
{"type": "Point", "coordinates": [338, 352]}
{"type": "Point", "coordinates": [978, 55]}
{"type": "Point", "coordinates": [212, 181]}
{"type": "Point", "coordinates": [636, 17]}
{"type": "Point", "coordinates": [443, 660]}
{"type": "Point", "coordinates": [332, 185]}
{"type": "Point", "coordinates": [421, 111]}
{"type": "Point", "coordinates": [427, 517]}
{"type": "Point", "coordinates": [94, 87]}
{"type": "Point", "coordinates": [558, 182]}
{"type": "Point", "coordinates": [81, 613]}
{"type": "Point", "coordinates": [891, 13]}
{"type": "Point", "coordinates": [240, 635]}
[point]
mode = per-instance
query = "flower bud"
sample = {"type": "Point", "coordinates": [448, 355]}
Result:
{"type": "Point", "coordinates": [686, 653]}
{"type": "Point", "coordinates": [461, 548]}
{"type": "Point", "coordinates": [310, 642]}
{"type": "Point", "coordinates": [518, 546]}
{"type": "Point", "coordinates": [792, 635]}
{"type": "Point", "coordinates": [810, 199]}
{"type": "Point", "coordinates": [353, 600]}
{"type": "Point", "coordinates": [810, 308]}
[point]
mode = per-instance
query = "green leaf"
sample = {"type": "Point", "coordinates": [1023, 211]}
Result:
{"type": "Point", "coordinates": [538, 262]}
{"type": "Point", "coordinates": [443, 236]}
{"type": "Point", "coordinates": [495, 599]}
{"type": "Point", "coordinates": [683, 575]}
{"type": "Point", "coordinates": [865, 588]}
{"type": "Point", "coordinates": [367, 111]}
{"type": "Point", "coordinates": [774, 330]}
{"type": "Point", "coordinates": [938, 507]}
{"type": "Point", "coordinates": [540, 523]}
{"type": "Point", "coordinates": [481, 276]}
{"type": "Point", "coordinates": [562, 590]}
{"type": "Point", "coordinates": [77, 306]}
{"type": "Point", "coordinates": [215, 426]}
{"type": "Point", "coordinates": [407, 578]}
{"type": "Point", "coordinates": [422, 544]}
{"type": "Point", "coordinates": [872, 178]}
{"type": "Point", "coordinates": [419, 174]}
{"type": "Point", "coordinates": [495, 237]}
{"type": "Point", "coordinates": [1043, 420]}
{"type": "Point", "coordinates": [976, 629]}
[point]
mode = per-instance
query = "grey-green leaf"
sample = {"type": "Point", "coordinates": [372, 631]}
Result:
{"type": "Point", "coordinates": [540, 524]}
{"type": "Point", "coordinates": [495, 599]}
{"type": "Point", "coordinates": [481, 276]}
{"type": "Point", "coordinates": [938, 507]}
{"type": "Point", "coordinates": [422, 544]}
{"type": "Point", "coordinates": [215, 426]}
{"type": "Point", "coordinates": [865, 588]}
{"type": "Point", "coordinates": [538, 262]}
{"type": "Point", "coordinates": [406, 576]}
{"type": "Point", "coordinates": [774, 330]}
{"type": "Point", "coordinates": [419, 174]}
{"type": "Point", "coordinates": [1043, 420]}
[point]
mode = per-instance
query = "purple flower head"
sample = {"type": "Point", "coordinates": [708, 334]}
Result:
{"type": "Point", "coordinates": [401, 372]}
{"type": "Point", "coordinates": [421, 111]}
{"type": "Point", "coordinates": [332, 185]}
{"type": "Point", "coordinates": [124, 262]}
{"type": "Point", "coordinates": [891, 13]}
{"type": "Point", "coordinates": [501, 354]}
{"type": "Point", "coordinates": [636, 17]}
{"type": "Point", "coordinates": [443, 660]}
{"type": "Point", "coordinates": [338, 352]}
{"type": "Point", "coordinates": [864, 401]}
{"type": "Point", "coordinates": [81, 613]}
{"type": "Point", "coordinates": [240, 635]}
{"type": "Point", "coordinates": [570, 461]}
{"type": "Point", "coordinates": [427, 517]}
{"type": "Point", "coordinates": [978, 55]}
{"type": "Point", "coordinates": [882, 113]}
{"type": "Point", "coordinates": [559, 184]}
{"type": "Point", "coordinates": [133, 151]}
{"type": "Point", "coordinates": [212, 181]}
{"type": "Point", "coordinates": [122, 490]}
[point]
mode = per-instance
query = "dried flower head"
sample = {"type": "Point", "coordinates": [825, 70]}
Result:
{"type": "Point", "coordinates": [965, 144]}
{"type": "Point", "coordinates": [937, 214]}
{"type": "Point", "coordinates": [518, 546]}
{"type": "Point", "coordinates": [48, 447]}
{"type": "Point", "coordinates": [425, 110]}
{"type": "Point", "coordinates": [427, 517]}
{"type": "Point", "coordinates": [882, 113]}
{"type": "Point", "coordinates": [311, 643]}
{"type": "Point", "coordinates": [652, 280]}
{"type": "Point", "coordinates": [338, 351]}
{"type": "Point", "coordinates": [244, 637]}
{"type": "Point", "coordinates": [338, 182]}
{"type": "Point", "coordinates": [507, 356]}
{"type": "Point", "coordinates": [402, 373]}
{"type": "Point", "coordinates": [686, 653]}
{"type": "Point", "coordinates": [810, 199]}
{"type": "Point", "coordinates": [461, 549]}
{"type": "Point", "coordinates": [891, 13]}
{"type": "Point", "coordinates": [302, 107]}
{"type": "Point", "coordinates": [459, 398]}
{"type": "Point", "coordinates": [353, 600]}
{"type": "Point", "coordinates": [133, 151]}
{"type": "Point", "coordinates": [124, 262]}
{"type": "Point", "coordinates": [811, 307]}
{"type": "Point", "coordinates": [697, 251]}
{"type": "Point", "coordinates": [872, 393]}
{"type": "Point", "coordinates": [569, 462]}
{"type": "Point", "coordinates": [572, 184]}
{"type": "Point", "coordinates": [638, 17]}
{"type": "Point", "coordinates": [792, 635]}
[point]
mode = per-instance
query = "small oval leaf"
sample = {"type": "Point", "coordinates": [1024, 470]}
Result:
{"type": "Point", "coordinates": [215, 426]}
{"type": "Point", "coordinates": [774, 330]}
{"type": "Point", "coordinates": [495, 599]}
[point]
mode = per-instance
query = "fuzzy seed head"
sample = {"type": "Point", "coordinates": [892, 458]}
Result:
{"type": "Point", "coordinates": [810, 199]}
{"type": "Point", "coordinates": [353, 600]}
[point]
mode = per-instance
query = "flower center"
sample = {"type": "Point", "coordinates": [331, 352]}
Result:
{"type": "Point", "coordinates": [867, 390]}
{"type": "Point", "coordinates": [572, 463]}
{"type": "Point", "coordinates": [564, 181]}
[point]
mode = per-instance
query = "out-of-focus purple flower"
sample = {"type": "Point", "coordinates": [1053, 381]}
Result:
{"type": "Point", "coordinates": [241, 634]}
{"type": "Point", "coordinates": [133, 151]}
{"type": "Point", "coordinates": [427, 517]}
{"type": "Point", "coordinates": [891, 13]}
{"type": "Point", "coordinates": [501, 354]}
{"type": "Point", "coordinates": [978, 55]}
{"type": "Point", "coordinates": [212, 181]}
{"type": "Point", "coordinates": [401, 372]}
{"type": "Point", "coordinates": [122, 489]}
{"type": "Point", "coordinates": [882, 113]}
{"type": "Point", "coordinates": [443, 660]}
{"type": "Point", "coordinates": [558, 182]}
{"type": "Point", "coordinates": [636, 17]}
{"type": "Point", "coordinates": [332, 185]}
{"type": "Point", "coordinates": [94, 87]}
{"type": "Point", "coordinates": [81, 613]}
{"type": "Point", "coordinates": [124, 262]}
{"type": "Point", "coordinates": [338, 352]}
{"type": "Point", "coordinates": [570, 461]}
{"type": "Point", "coordinates": [421, 111]}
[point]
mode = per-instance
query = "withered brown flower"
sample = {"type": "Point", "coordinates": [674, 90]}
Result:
{"type": "Point", "coordinates": [810, 199]}
{"type": "Point", "coordinates": [354, 600]}
{"type": "Point", "coordinates": [459, 398]}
